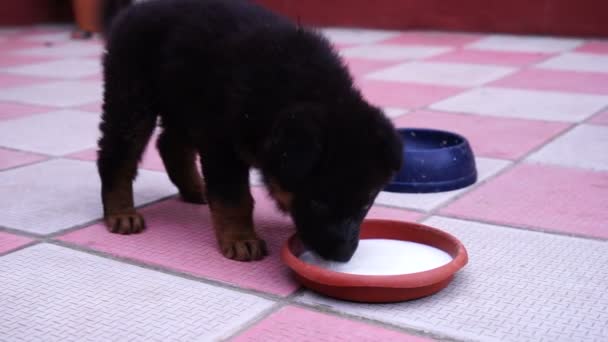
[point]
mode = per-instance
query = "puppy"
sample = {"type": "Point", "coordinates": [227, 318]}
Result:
{"type": "Point", "coordinates": [241, 87]}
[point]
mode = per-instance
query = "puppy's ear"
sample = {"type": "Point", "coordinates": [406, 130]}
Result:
{"type": "Point", "coordinates": [295, 145]}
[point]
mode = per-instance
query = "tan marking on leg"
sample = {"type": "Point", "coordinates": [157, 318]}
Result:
{"type": "Point", "coordinates": [234, 230]}
{"type": "Point", "coordinates": [282, 197]}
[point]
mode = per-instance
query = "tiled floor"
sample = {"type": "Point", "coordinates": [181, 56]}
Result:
{"type": "Point", "coordinates": [535, 110]}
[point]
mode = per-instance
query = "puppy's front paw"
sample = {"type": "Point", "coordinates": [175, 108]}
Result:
{"type": "Point", "coordinates": [128, 223]}
{"type": "Point", "coordinates": [244, 250]}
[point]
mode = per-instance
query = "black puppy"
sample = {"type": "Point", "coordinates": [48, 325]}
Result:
{"type": "Point", "coordinates": [241, 87]}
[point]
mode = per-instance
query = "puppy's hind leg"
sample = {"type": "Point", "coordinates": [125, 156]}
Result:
{"type": "Point", "coordinates": [127, 124]}
{"type": "Point", "coordinates": [180, 161]}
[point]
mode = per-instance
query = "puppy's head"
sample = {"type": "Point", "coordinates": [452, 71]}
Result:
{"type": "Point", "coordinates": [325, 170]}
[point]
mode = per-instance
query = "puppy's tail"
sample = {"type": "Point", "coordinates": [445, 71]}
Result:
{"type": "Point", "coordinates": [109, 10]}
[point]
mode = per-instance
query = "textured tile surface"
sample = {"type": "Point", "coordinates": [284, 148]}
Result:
{"type": "Point", "coordinates": [585, 146]}
{"type": "Point", "coordinates": [299, 325]}
{"type": "Point", "coordinates": [570, 81]}
{"type": "Point", "coordinates": [64, 68]}
{"type": "Point", "coordinates": [543, 197]}
{"type": "Point", "coordinates": [58, 94]}
{"type": "Point", "coordinates": [57, 194]}
{"type": "Point", "coordinates": [10, 110]}
{"type": "Point", "coordinates": [350, 36]}
{"type": "Point", "coordinates": [55, 133]}
{"type": "Point", "coordinates": [404, 95]}
{"type": "Point", "coordinates": [525, 44]}
{"type": "Point", "coordinates": [486, 167]}
{"type": "Point", "coordinates": [600, 118]}
{"type": "Point", "coordinates": [52, 293]}
{"type": "Point", "coordinates": [578, 62]}
{"type": "Point", "coordinates": [525, 104]}
{"type": "Point", "coordinates": [448, 74]}
{"type": "Point", "coordinates": [433, 38]}
{"type": "Point", "coordinates": [10, 81]}
{"type": "Point", "coordinates": [599, 47]}
{"type": "Point", "coordinates": [494, 137]}
{"type": "Point", "coordinates": [518, 286]}
{"type": "Point", "coordinates": [64, 49]}
{"type": "Point", "coordinates": [11, 158]}
{"type": "Point", "coordinates": [393, 52]}
{"type": "Point", "coordinates": [8, 242]}
{"type": "Point", "coordinates": [150, 159]}
{"type": "Point", "coordinates": [180, 236]}
{"type": "Point", "coordinates": [491, 57]}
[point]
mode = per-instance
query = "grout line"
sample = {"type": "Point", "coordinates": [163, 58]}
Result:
{"type": "Point", "coordinates": [35, 162]}
{"type": "Point", "coordinates": [168, 271]}
{"type": "Point", "coordinates": [254, 321]}
{"type": "Point", "coordinates": [325, 309]}
{"type": "Point", "coordinates": [514, 163]}
{"type": "Point", "coordinates": [526, 228]}
{"type": "Point", "coordinates": [24, 246]}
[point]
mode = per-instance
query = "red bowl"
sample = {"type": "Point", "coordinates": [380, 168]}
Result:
{"type": "Point", "coordinates": [381, 289]}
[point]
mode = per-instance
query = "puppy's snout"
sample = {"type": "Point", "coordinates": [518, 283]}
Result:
{"type": "Point", "coordinates": [344, 252]}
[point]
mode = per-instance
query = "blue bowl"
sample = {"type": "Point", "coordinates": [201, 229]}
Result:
{"type": "Point", "coordinates": [434, 161]}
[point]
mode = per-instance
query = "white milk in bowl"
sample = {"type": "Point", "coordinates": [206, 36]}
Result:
{"type": "Point", "coordinates": [385, 257]}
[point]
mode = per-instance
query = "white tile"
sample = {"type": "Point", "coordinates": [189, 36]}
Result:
{"type": "Point", "coordinates": [357, 36]}
{"type": "Point", "coordinates": [486, 167]}
{"type": "Point", "coordinates": [393, 112]}
{"type": "Point", "coordinates": [518, 286]}
{"type": "Point", "coordinates": [525, 44]}
{"type": "Point", "coordinates": [63, 68]}
{"type": "Point", "coordinates": [385, 52]}
{"type": "Point", "coordinates": [54, 195]}
{"type": "Point", "coordinates": [55, 133]}
{"type": "Point", "coordinates": [577, 62]}
{"type": "Point", "coordinates": [64, 50]}
{"type": "Point", "coordinates": [57, 94]}
{"type": "Point", "coordinates": [585, 146]}
{"type": "Point", "coordinates": [448, 74]}
{"type": "Point", "coordinates": [52, 293]}
{"type": "Point", "coordinates": [50, 37]}
{"type": "Point", "coordinates": [525, 104]}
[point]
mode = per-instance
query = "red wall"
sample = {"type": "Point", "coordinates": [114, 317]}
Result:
{"type": "Point", "coordinates": [563, 17]}
{"type": "Point", "coordinates": [25, 12]}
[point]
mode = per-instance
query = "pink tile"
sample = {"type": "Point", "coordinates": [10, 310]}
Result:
{"type": "Point", "coordinates": [433, 38]}
{"type": "Point", "coordinates": [295, 324]}
{"type": "Point", "coordinates": [568, 200]}
{"type": "Point", "coordinates": [13, 43]}
{"type": "Point", "coordinates": [385, 213]}
{"type": "Point", "coordinates": [96, 77]}
{"type": "Point", "coordinates": [94, 107]}
{"type": "Point", "coordinates": [10, 158]}
{"type": "Point", "coordinates": [601, 118]}
{"type": "Point", "coordinates": [14, 110]}
{"type": "Point", "coordinates": [150, 160]}
{"type": "Point", "coordinates": [180, 236]}
{"type": "Point", "coordinates": [494, 137]}
{"type": "Point", "coordinates": [10, 60]}
{"type": "Point", "coordinates": [594, 47]}
{"type": "Point", "coordinates": [404, 95]}
{"type": "Point", "coordinates": [491, 57]}
{"type": "Point", "coordinates": [9, 80]}
{"type": "Point", "coordinates": [8, 242]}
{"type": "Point", "coordinates": [568, 81]}
{"type": "Point", "coordinates": [360, 67]}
